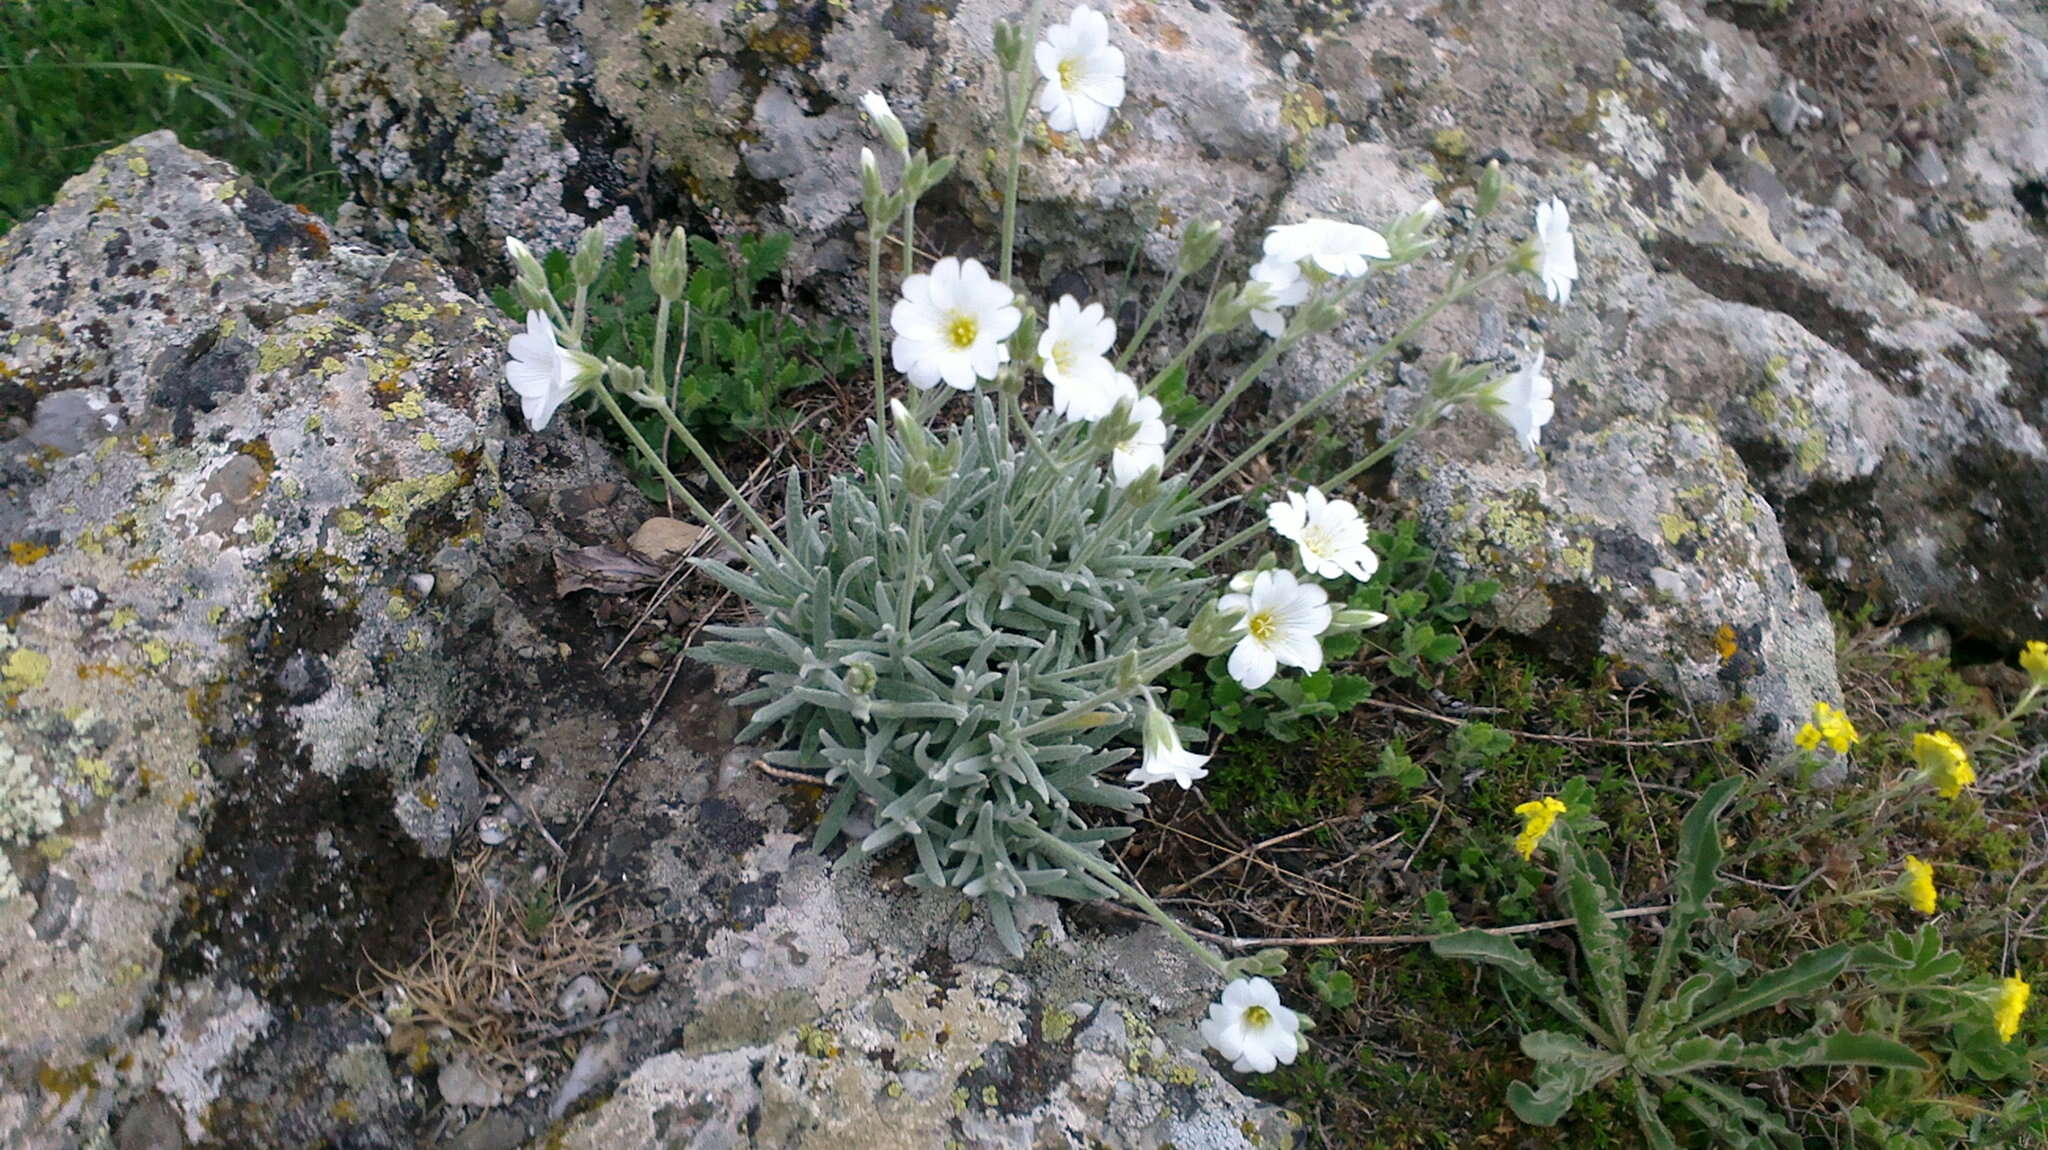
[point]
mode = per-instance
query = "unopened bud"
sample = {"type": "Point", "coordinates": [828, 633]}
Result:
{"type": "Point", "coordinates": [1214, 631]}
{"type": "Point", "coordinates": [589, 259]}
{"type": "Point", "coordinates": [1355, 619]}
{"type": "Point", "coordinates": [1492, 182]}
{"type": "Point", "coordinates": [1009, 45]}
{"type": "Point", "coordinates": [533, 294]}
{"type": "Point", "coordinates": [1198, 245]}
{"type": "Point", "coordinates": [525, 264]}
{"type": "Point", "coordinates": [669, 264]}
{"type": "Point", "coordinates": [887, 126]}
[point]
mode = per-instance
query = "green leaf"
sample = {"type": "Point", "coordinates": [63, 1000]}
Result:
{"type": "Point", "coordinates": [1699, 863]}
{"type": "Point", "coordinates": [1502, 952]}
{"type": "Point", "coordinates": [1803, 975]}
{"type": "Point", "coordinates": [1600, 937]}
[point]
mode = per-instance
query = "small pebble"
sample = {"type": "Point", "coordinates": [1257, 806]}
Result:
{"type": "Point", "coordinates": [581, 998]}
{"type": "Point", "coordinates": [493, 830]}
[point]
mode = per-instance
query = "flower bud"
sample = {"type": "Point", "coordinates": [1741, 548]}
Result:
{"type": "Point", "coordinates": [524, 263]}
{"type": "Point", "coordinates": [1355, 619]}
{"type": "Point", "coordinates": [870, 182]}
{"type": "Point", "coordinates": [669, 264]}
{"type": "Point", "coordinates": [1198, 245]}
{"type": "Point", "coordinates": [1214, 631]}
{"type": "Point", "coordinates": [1144, 489]}
{"type": "Point", "coordinates": [589, 259]}
{"type": "Point", "coordinates": [1491, 184]}
{"type": "Point", "coordinates": [1009, 45]}
{"type": "Point", "coordinates": [887, 126]}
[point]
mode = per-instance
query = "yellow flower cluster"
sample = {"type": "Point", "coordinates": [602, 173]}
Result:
{"type": "Point", "coordinates": [2012, 1003]}
{"type": "Point", "coordinates": [1943, 762]}
{"type": "Point", "coordinates": [1920, 885]}
{"type": "Point", "coordinates": [1829, 726]}
{"type": "Point", "coordinates": [2034, 660]}
{"type": "Point", "coordinates": [1537, 819]}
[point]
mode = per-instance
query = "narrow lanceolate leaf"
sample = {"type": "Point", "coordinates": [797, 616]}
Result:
{"type": "Point", "coordinates": [1646, 1102]}
{"type": "Point", "coordinates": [1840, 1048]}
{"type": "Point", "coordinates": [1606, 947]}
{"type": "Point", "coordinates": [1699, 861]}
{"type": "Point", "coordinates": [1522, 967]}
{"type": "Point", "coordinates": [1741, 1123]}
{"type": "Point", "coordinates": [1808, 973]}
{"type": "Point", "coordinates": [1701, 990]}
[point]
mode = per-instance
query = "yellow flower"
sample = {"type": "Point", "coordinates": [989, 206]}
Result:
{"type": "Point", "coordinates": [1537, 819]}
{"type": "Point", "coordinates": [1808, 737]}
{"type": "Point", "coordinates": [1944, 762]}
{"type": "Point", "coordinates": [2034, 657]}
{"type": "Point", "coordinates": [1919, 885]}
{"type": "Point", "coordinates": [1835, 728]}
{"type": "Point", "coordinates": [2012, 1002]}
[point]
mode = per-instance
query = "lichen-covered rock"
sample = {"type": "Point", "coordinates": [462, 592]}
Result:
{"type": "Point", "coordinates": [240, 438]}
{"type": "Point", "coordinates": [461, 122]}
{"type": "Point", "coordinates": [279, 610]}
{"type": "Point", "coordinates": [1752, 391]}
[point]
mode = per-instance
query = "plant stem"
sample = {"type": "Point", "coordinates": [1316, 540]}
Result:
{"type": "Point", "coordinates": [1146, 673]}
{"type": "Point", "coordinates": [1369, 364]}
{"type": "Point", "coordinates": [1108, 876]}
{"type": "Point", "coordinates": [1215, 411]}
{"type": "Point", "coordinates": [881, 441]}
{"type": "Point", "coordinates": [660, 356]}
{"type": "Point", "coordinates": [909, 234]}
{"type": "Point", "coordinates": [576, 320]}
{"type": "Point", "coordinates": [1152, 316]}
{"type": "Point", "coordinates": [1427, 416]}
{"type": "Point", "coordinates": [1018, 93]}
{"type": "Point", "coordinates": [704, 516]}
{"type": "Point", "coordinates": [720, 480]}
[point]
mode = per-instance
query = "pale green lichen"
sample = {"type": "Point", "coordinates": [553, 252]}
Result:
{"type": "Point", "coordinates": [29, 809]}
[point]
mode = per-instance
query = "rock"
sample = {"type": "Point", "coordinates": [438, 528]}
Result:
{"type": "Point", "coordinates": [662, 539]}
{"type": "Point", "coordinates": [269, 420]}
{"type": "Point", "coordinates": [582, 998]}
{"type": "Point", "coordinates": [462, 1084]}
{"type": "Point", "coordinates": [1754, 393]}
{"type": "Point", "coordinates": [253, 741]}
{"type": "Point", "coordinates": [459, 123]}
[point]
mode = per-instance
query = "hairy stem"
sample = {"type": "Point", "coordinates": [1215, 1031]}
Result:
{"type": "Point", "coordinates": [697, 508]}
{"type": "Point", "coordinates": [1106, 874]}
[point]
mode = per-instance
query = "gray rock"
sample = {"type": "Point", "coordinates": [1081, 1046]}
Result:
{"type": "Point", "coordinates": [534, 122]}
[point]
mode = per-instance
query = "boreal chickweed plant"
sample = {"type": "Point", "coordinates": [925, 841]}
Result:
{"type": "Point", "coordinates": [965, 640]}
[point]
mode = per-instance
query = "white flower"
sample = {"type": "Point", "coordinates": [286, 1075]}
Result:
{"type": "Point", "coordinates": [952, 324]}
{"type": "Point", "coordinates": [1145, 448]}
{"type": "Point", "coordinates": [1074, 355]}
{"type": "Point", "coordinates": [1557, 255]}
{"type": "Point", "coordinates": [1084, 76]}
{"type": "Point", "coordinates": [1165, 758]}
{"type": "Point", "coordinates": [544, 373]}
{"type": "Point", "coordinates": [1282, 619]}
{"type": "Point", "coordinates": [1250, 1027]}
{"type": "Point", "coordinates": [1330, 533]}
{"type": "Point", "coordinates": [1338, 248]}
{"type": "Point", "coordinates": [1522, 401]}
{"type": "Point", "coordinates": [1284, 286]}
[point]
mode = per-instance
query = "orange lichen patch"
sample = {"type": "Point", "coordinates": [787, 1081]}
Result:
{"type": "Point", "coordinates": [24, 553]}
{"type": "Point", "coordinates": [91, 671]}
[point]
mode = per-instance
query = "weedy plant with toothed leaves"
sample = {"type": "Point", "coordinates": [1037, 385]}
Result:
{"type": "Point", "coordinates": [1667, 1052]}
{"type": "Point", "coordinates": [958, 676]}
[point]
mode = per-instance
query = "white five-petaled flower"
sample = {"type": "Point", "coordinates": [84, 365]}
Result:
{"type": "Point", "coordinates": [1284, 286]}
{"type": "Point", "coordinates": [1250, 1027]}
{"type": "Point", "coordinates": [953, 325]}
{"type": "Point", "coordinates": [1522, 401]}
{"type": "Point", "coordinates": [1329, 532]}
{"type": "Point", "coordinates": [1145, 448]}
{"type": "Point", "coordinates": [1074, 355]}
{"type": "Point", "coordinates": [1336, 247]}
{"type": "Point", "coordinates": [544, 373]}
{"type": "Point", "coordinates": [1557, 255]}
{"type": "Point", "coordinates": [1165, 758]}
{"type": "Point", "coordinates": [1084, 74]}
{"type": "Point", "coordinates": [1283, 619]}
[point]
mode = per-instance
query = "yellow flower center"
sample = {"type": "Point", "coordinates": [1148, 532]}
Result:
{"type": "Point", "coordinates": [1070, 71]}
{"type": "Point", "coordinates": [1257, 1017]}
{"type": "Point", "coordinates": [962, 331]}
{"type": "Point", "coordinates": [1262, 627]}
